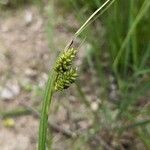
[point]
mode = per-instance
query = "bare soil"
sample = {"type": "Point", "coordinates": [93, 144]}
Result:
{"type": "Point", "coordinates": [25, 59]}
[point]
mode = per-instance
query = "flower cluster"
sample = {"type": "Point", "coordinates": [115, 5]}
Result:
{"type": "Point", "coordinates": [65, 60]}
{"type": "Point", "coordinates": [66, 75]}
{"type": "Point", "coordinates": [64, 80]}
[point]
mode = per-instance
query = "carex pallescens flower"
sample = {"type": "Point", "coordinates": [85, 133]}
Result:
{"type": "Point", "coordinates": [65, 79]}
{"type": "Point", "coordinates": [66, 74]}
{"type": "Point", "coordinates": [65, 60]}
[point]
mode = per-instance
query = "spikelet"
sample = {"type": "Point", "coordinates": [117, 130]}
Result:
{"type": "Point", "coordinates": [65, 60]}
{"type": "Point", "coordinates": [65, 79]}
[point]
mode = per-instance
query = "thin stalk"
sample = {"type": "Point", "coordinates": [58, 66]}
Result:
{"type": "Point", "coordinates": [130, 44]}
{"type": "Point", "coordinates": [45, 111]}
{"type": "Point", "coordinates": [15, 113]}
{"type": "Point", "coordinates": [102, 11]}
{"type": "Point", "coordinates": [134, 125]}
{"type": "Point", "coordinates": [92, 16]}
{"type": "Point", "coordinates": [134, 38]}
{"type": "Point", "coordinates": [145, 57]}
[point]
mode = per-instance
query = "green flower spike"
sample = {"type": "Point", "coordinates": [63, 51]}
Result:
{"type": "Point", "coordinates": [64, 60]}
{"type": "Point", "coordinates": [66, 79]}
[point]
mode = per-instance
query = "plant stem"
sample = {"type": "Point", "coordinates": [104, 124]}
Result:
{"type": "Point", "coordinates": [92, 16]}
{"type": "Point", "coordinates": [45, 111]}
{"type": "Point", "coordinates": [15, 113]}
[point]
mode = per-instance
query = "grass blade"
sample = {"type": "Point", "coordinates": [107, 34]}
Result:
{"type": "Point", "coordinates": [140, 15]}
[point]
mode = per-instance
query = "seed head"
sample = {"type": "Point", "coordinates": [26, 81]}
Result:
{"type": "Point", "coordinates": [65, 79]}
{"type": "Point", "coordinates": [65, 60]}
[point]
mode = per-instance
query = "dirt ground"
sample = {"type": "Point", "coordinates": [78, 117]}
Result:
{"type": "Point", "coordinates": [25, 58]}
{"type": "Point", "coordinates": [29, 41]}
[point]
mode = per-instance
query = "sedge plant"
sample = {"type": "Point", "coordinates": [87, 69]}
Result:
{"type": "Point", "coordinates": [62, 75]}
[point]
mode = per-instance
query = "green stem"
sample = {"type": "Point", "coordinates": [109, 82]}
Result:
{"type": "Point", "coordinates": [45, 111]}
{"type": "Point", "coordinates": [134, 125]}
{"type": "Point", "coordinates": [134, 38]}
{"type": "Point", "coordinates": [15, 113]}
{"type": "Point", "coordinates": [93, 15]}
{"type": "Point", "coordinates": [96, 14]}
